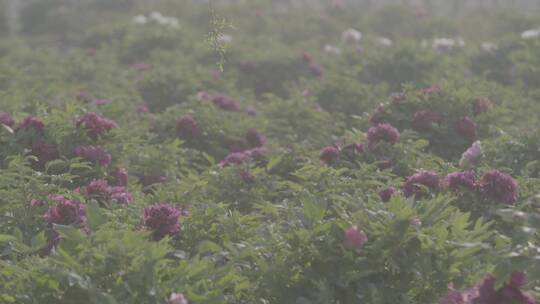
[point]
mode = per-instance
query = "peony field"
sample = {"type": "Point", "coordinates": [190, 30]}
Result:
{"type": "Point", "coordinates": [269, 152]}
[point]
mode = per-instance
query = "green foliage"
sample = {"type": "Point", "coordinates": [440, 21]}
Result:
{"type": "Point", "coordinates": [272, 227]}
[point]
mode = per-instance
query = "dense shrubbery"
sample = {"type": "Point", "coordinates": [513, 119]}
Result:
{"type": "Point", "coordinates": [399, 164]}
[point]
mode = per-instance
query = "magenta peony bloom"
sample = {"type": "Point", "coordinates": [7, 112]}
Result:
{"type": "Point", "coordinates": [142, 108]}
{"type": "Point", "coordinates": [329, 155]}
{"type": "Point", "coordinates": [424, 120]}
{"type": "Point", "coordinates": [386, 194]}
{"type": "Point", "coordinates": [98, 189]}
{"type": "Point", "coordinates": [119, 195]}
{"type": "Point", "coordinates": [149, 180]}
{"type": "Point", "coordinates": [120, 177]}
{"type": "Point", "coordinates": [44, 152]}
{"type": "Point", "coordinates": [423, 178]}
{"type": "Point", "coordinates": [90, 52]}
{"type": "Point", "coordinates": [235, 158]}
{"type": "Point", "coordinates": [84, 97]}
{"type": "Point", "coordinates": [227, 103]}
{"type": "Point", "coordinates": [315, 69]}
{"type": "Point", "coordinates": [101, 102]}
{"type": "Point", "coordinates": [454, 297]}
{"type": "Point", "coordinates": [66, 212]}
{"type": "Point", "coordinates": [93, 154]}
{"type": "Point", "coordinates": [434, 89]}
{"type": "Point", "coordinates": [247, 177]}
{"type": "Point", "coordinates": [247, 66]}
{"type": "Point", "coordinates": [6, 119]}
{"type": "Point", "coordinates": [32, 123]}
{"type": "Point", "coordinates": [459, 180]}
{"type": "Point", "coordinates": [398, 98]}
{"type": "Point", "coordinates": [498, 187]}
{"type": "Point", "coordinates": [255, 139]}
{"type": "Point", "coordinates": [96, 125]}
{"type": "Point", "coordinates": [187, 128]}
{"type": "Point", "coordinates": [466, 128]}
{"type": "Point", "coordinates": [485, 293]}
{"type": "Point", "coordinates": [355, 237]}
{"type": "Point", "coordinates": [256, 154]}
{"type": "Point", "coordinates": [307, 57]}
{"type": "Point", "coordinates": [382, 132]}
{"type": "Point", "coordinates": [140, 66]}
{"type": "Point", "coordinates": [251, 111]}
{"type": "Point", "coordinates": [177, 298]}
{"type": "Point", "coordinates": [481, 105]}
{"type": "Point", "coordinates": [163, 219]}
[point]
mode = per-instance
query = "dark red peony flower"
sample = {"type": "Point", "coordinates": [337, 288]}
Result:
{"type": "Point", "coordinates": [424, 120]}
{"type": "Point", "coordinates": [6, 119]}
{"type": "Point", "coordinates": [163, 219]}
{"type": "Point", "coordinates": [44, 152]}
{"type": "Point", "coordinates": [93, 154]}
{"type": "Point", "coordinates": [187, 128]}
{"type": "Point", "coordinates": [382, 132]}
{"type": "Point", "coordinates": [466, 128]}
{"type": "Point", "coordinates": [96, 125]}
{"type": "Point", "coordinates": [329, 155]}
{"type": "Point", "coordinates": [422, 178]}
{"type": "Point", "coordinates": [255, 139]}
{"type": "Point", "coordinates": [498, 187]}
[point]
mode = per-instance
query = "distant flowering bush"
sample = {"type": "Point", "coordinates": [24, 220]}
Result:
{"type": "Point", "coordinates": [32, 123]}
{"type": "Point", "coordinates": [466, 128]}
{"type": "Point", "coordinates": [498, 187]}
{"type": "Point", "coordinates": [142, 108]}
{"type": "Point", "coordinates": [120, 177]}
{"type": "Point", "coordinates": [235, 158]}
{"type": "Point", "coordinates": [163, 220]}
{"type": "Point", "coordinates": [45, 153]}
{"type": "Point", "coordinates": [485, 292]}
{"type": "Point", "coordinates": [247, 177]}
{"type": "Point", "coordinates": [431, 90]}
{"type": "Point", "coordinates": [481, 105]}
{"type": "Point", "coordinates": [101, 191]}
{"type": "Point", "coordinates": [66, 212]}
{"type": "Point", "coordinates": [93, 154]}
{"type": "Point", "coordinates": [187, 128]}
{"type": "Point", "coordinates": [423, 178]}
{"type": "Point", "coordinates": [6, 119]}
{"type": "Point", "coordinates": [96, 125]}
{"type": "Point", "coordinates": [255, 139]}
{"type": "Point", "coordinates": [382, 132]}
{"type": "Point", "coordinates": [226, 103]}
{"type": "Point", "coordinates": [177, 298]}
{"type": "Point", "coordinates": [425, 119]}
{"type": "Point", "coordinates": [386, 194]}
{"type": "Point", "coordinates": [315, 69]}
{"type": "Point", "coordinates": [355, 237]}
{"type": "Point", "coordinates": [329, 155]}
{"type": "Point", "coordinates": [461, 180]}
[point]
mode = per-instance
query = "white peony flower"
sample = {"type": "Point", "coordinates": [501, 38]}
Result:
{"type": "Point", "coordinates": [384, 41]}
{"type": "Point", "coordinates": [330, 49]}
{"type": "Point", "coordinates": [139, 19]}
{"type": "Point", "coordinates": [488, 47]}
{"type": "Point", "coordinates": [531, 34]}
{"type": "Point", "coordinates": [351, 36]}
